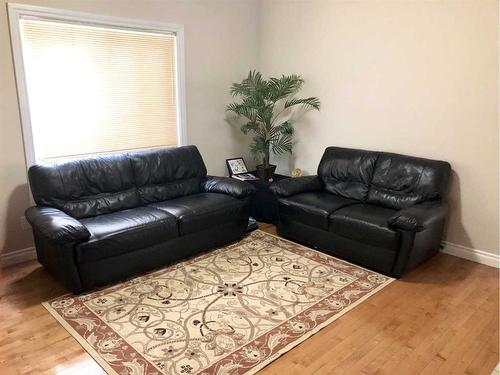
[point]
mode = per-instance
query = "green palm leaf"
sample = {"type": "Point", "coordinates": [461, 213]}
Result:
{"type": "Point", "coordinates": [258, 146]}
{"type": "Point", "coordinates": [284, 128]}
{"type": "Point", "coordinates": [249, 126]}
{"type": "Point", "coordinates": [311, 102]}
{"type": "Point", "coordinates": [280, 88]}
{"type": "Point", "coordinates": [250, 85]}
{"type": "Point", "coordinates": [242, 110]}
{"type": "Point", "coordinates": [282, 144]}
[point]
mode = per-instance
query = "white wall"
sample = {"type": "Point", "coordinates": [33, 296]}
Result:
{"type": "Point", "coordinates": [414, 77]}
{"type": "Point", "coordinates": [221, 45]}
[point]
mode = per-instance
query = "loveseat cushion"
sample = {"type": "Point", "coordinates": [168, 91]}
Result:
{"type": "Point", "coordinates": [347, 172]}
{"type": "Point", "coordinates": [312, 209]}
{"type": "Point", "coordinates": [400, 181]}
{"type": "Point", "coordinates": [203, 211]}
{"type": "Point", "coordinates": [123, 231]}
{"type": "Point", "coordinates": [365, 223]}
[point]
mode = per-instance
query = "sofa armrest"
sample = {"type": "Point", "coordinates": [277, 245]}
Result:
{"type": "Point", "coordinates": [418, 217]}
{"type": "Point", "coordinates": [227, 185]}
{"type": "Point", "coordinates": [296, 185]}
{"type": "Point", "coordinates": [56, 225]}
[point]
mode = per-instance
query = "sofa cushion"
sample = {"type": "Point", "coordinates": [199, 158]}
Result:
{"type": "Point", "coordinates": [203, 211]}
{"type": "Point", "coordinates": [401, 181]}
{"type": "Point", "coordinates": [167, 173]}
{"type": "Point", "coordinates": [365, 223]}
{"type": "Point", "coordinates": [123, 231]}
{"type": "Point", "coordinates": [347, 172]}
{"type": "Point", "coordinates": [86, 187]}
{"type": "Point", "coordinates": [312, 209]}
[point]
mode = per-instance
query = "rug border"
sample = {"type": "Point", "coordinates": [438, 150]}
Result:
{"type": "Point", "coordinates": [110, 371]}
{"type": "Point", "coordinates": [81, 340]}
{"type": "Point", "coordinates": [318, 328]}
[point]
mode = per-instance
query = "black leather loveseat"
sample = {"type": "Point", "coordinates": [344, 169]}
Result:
{"type": "Point", "coordinates": [380, 210]}
{"type": "Point", "coordinates": [102, 219]}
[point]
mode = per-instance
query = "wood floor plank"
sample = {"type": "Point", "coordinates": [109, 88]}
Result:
{"type": "Point", "coordinates": [439, 319]}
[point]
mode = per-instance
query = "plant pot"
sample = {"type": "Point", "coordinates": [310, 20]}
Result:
{"type": "Point", "coordinates": [265, 173]}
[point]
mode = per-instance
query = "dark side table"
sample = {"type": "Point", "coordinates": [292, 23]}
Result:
{"type": "Point", "coordinates": [264, 204]}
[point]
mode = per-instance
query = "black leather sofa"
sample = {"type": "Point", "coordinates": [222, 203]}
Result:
{"type": "Point", "coordinates": [380, 210]}
{"type": "Point", "coordinates": [101, 219]}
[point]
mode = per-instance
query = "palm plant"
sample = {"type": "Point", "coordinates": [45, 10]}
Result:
{"type": "Point", "coordinates": [265, 105]}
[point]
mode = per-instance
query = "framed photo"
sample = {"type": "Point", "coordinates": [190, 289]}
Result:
{"type": "Point", "coordinates": [236, 166]}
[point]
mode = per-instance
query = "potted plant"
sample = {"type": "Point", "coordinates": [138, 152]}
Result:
{"type": "Point", "coordinates": [266, 106]}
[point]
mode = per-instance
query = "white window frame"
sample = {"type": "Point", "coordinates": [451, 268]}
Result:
{"type": "Point", "coordinates": [18, 11]}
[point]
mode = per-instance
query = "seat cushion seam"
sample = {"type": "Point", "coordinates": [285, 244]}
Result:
{"type": "Point", "coordinates": [135, 228]}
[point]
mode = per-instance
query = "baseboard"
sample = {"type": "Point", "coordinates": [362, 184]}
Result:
{"type": "Point", "coordinates": [17, 256]}
{"type": "Point", "coordinates": [475, 255]}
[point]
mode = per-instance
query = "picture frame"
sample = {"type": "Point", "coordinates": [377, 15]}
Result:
{"type": "Point", "coordinates": [236, 166]}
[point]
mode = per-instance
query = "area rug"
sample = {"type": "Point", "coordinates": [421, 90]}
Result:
{"type": "Point", "coordinates": [230, 311]}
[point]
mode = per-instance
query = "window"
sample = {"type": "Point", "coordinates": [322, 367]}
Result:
{"type": "Point", "coordinates": [90, 86]}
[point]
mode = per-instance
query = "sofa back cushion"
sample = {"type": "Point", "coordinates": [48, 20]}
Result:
{"type": "Point", "coordinates": [167, 173]}
{"type": "Point", "coordinates": [347, 172]}
{"type": "Point", "coordinates": [400, 181]}
{"type": "Point", "coordinates": [85, 187]}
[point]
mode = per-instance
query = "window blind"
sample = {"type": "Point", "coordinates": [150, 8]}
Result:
{"type": "Point", "coordinates": [96, 90]}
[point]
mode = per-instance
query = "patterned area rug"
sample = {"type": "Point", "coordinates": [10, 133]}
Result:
{"type": "Point", "coordinates": [230, 311]}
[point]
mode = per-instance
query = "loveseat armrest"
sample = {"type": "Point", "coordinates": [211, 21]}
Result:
{"type": "Point", "coordinates": [55, 225]}
{"type": "Point", "coordinates": [297, 185]}
{"type": "Point", "coordinates": [418, 217]}
{"type": "Point", "coordinates": [226, 185]}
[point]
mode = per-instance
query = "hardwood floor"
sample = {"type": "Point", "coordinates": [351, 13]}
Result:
{"type": "Point", "coordinates": [440, 319]}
